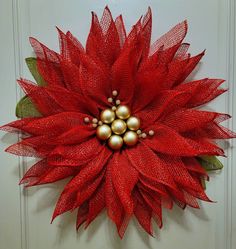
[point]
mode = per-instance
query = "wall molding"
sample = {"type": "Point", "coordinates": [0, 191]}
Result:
{"type": "Point", "coordinates": [18, 57]}
{"type": "Point", "coordinates": [230, 176]}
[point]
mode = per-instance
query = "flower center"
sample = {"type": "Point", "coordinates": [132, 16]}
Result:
{"type": "Point", "coordinates": [118, 127]}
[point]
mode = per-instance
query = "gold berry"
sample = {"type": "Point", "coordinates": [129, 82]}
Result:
{"type": "Point", "coordinates": [118, 126]}
{"type": "Point", "coordinates": [133, 123]}
{"type": "Point", "coordinates": [115, 142]}
{"type": "Point", "coordinates": [103, 132]}
{"type": "Point", "coordinates": [107, 116]}
{"type": "Point", "coordinates": [130, 138]}
{"type": "Point", "coordinates": [123, 112]}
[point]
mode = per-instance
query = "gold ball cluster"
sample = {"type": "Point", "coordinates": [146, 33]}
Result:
{"type": "Point", "coordinates": [118, 127]}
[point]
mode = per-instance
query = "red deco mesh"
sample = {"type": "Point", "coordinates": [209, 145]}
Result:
{"type": "Point", "coordinates": [151, 79]}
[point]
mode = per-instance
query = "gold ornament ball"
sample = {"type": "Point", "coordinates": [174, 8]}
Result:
{"type": "Point", "coordinates": [115, 142]}
{"type": "Point", "coordinates": [118, 126]}
{"type": "Point", "coordinates": [107, 116]}
{"type": "Point", "coordinates": [103, 132]}
{"type": "Point", "coordinates": [130, 138]}
{"type": "Point", "coordinates": [133, 123]}
{"type": "Point", "coordinates": [123, 112]}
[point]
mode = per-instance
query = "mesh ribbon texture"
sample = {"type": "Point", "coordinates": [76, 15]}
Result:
{"type": "Point", "coordinates": [153, 80]}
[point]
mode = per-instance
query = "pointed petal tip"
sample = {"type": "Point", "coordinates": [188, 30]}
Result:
{"type": "Point", "coordinates": [59, 30]}
{"type": "Point", "coordinates": [53, 217]}
{"type": "Point", "coordinates": [52, 220]}
{"type": "Point", "coordinates": [32, 40]}
{"type": "Point", "coordinates": [8, 149]}
{"type": "Point", "coordinates": [94, 17]}
{"type": "Point", "coordinates": [22, 181]}
{"type": "Point", "coordinates": [160, 225]}
{"type": "Point", "coordinates": [121, 235]}
{"type": "Point", "coordinates": [185, 22]}
{"type": "Point", "coordinates": [149, 11]}
{"type": "Point", "coordinates": [107, 8]}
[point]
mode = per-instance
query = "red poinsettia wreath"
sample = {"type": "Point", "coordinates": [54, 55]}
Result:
{"type": "Point", "coordinates": [120, 119]}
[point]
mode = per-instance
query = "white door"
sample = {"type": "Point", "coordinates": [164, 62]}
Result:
{"type": "Point", "coordinates": [25, 214]}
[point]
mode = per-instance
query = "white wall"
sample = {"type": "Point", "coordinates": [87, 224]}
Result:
{"type": "Point", "coordinates": [25, 215]}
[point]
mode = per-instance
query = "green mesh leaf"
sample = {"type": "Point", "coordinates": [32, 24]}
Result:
{"type": "Point", "coordinates": [32, 65]}
{"type": "Point", "coordinates": [25, 108]}
{"type": "Point", "coordinates": [210, 163]}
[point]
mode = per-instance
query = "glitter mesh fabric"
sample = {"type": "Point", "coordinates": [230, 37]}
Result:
{"type": "Point", "coordinates": [153, 80]}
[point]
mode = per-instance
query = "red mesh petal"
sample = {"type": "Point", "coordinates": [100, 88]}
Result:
{"type": "Point", "coordinates": [54, 124]}
{"type": "Point", "coordinates": [178, 71]}
{"type": "Point", "coordinates": [41, 145]}
{"type": "Point", "coordinates": [126, 65]}
{"type": "Point", "coordinates": [154, 205]}
{"type": "Point", "coordinates": [115, 209]}
{"type": "Point", "coordinates": [35, 172]}
{"type": "Point", "coordinates": [42, 52]}
{"type": "Point", "coordinates": [86, 192]}
{"type": "Point", "coordinates": [143, 213]}
{"type": "Point", "coordinates": [190, 200]}
{"type": "Point", "coordinates": [180, 174]}
{"type": "Point", "coordinates": [82, 215]}
{"type": "Point", "coordinates": [168, 141]}
{"type": "Point", "coordinates": [152, 185]}
{"type": "Point", "coordinates": [94, 79]}
{"type": "Point", "coordinates": [146, 32]}
{"type": "Point", "coordinates": [56, 174]}
{"type": "Point", "coordinates": [40, 98]}
{"type": "Point", "coordinates": [111, 46]}
{"type": "Point", "coordinates": [64, 51]}
{"type": "Point", "coordinates": [22, 149]}
{"type": "Point", "coordinates": [56, 98]}
{"type": "Point", "coordinates": [215, 131]}
{"type": "Point", "coordinates": [164, 103]}
{"type": "Point", "coordinates": [198, 195]}
{"type": "Point", "coordinates": [16, 126]}
{"type": "Point", "coordinates": [171, 38]}
{"type": "Point", "coordinates": [192, 63]}
{"type": "Point", "coordinates": [75, 48]}
{"type": "Point", "coordinates": [183, 120]}
{"type": "Point", "coordinates": [95, 39]}
{"type": "Point", "coordinates": [103, 43]}
{"type": "Point", "coordinates": [71, 74]}
{"type": "Point", "coordinates": [96, 204]}
{"type": "Point", "coordinates": [45, 175]}
{"type": "Point", "coordinates": [123, 182]}
{"type": "Point", "coordinates": [89, 171]}
{"type": "Point", "coordinates": [75, 155]}
{"type": "Point", "coordinates": [142, 158]}
{"type": "Point", "coordinates": [193, 165]}
{"type": "Point", "coordinates": [181, 54]}
{"type": "Point", "coordinates": [65, 203]}
{"type": "Point", "coordinates": [121, 30]}
{"type": "Point", "coordinates": [47, 63]}
{"type": "Point", "coordinates": [202, 91]}
{"type": "Point", "coordinates": [76, 135]}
